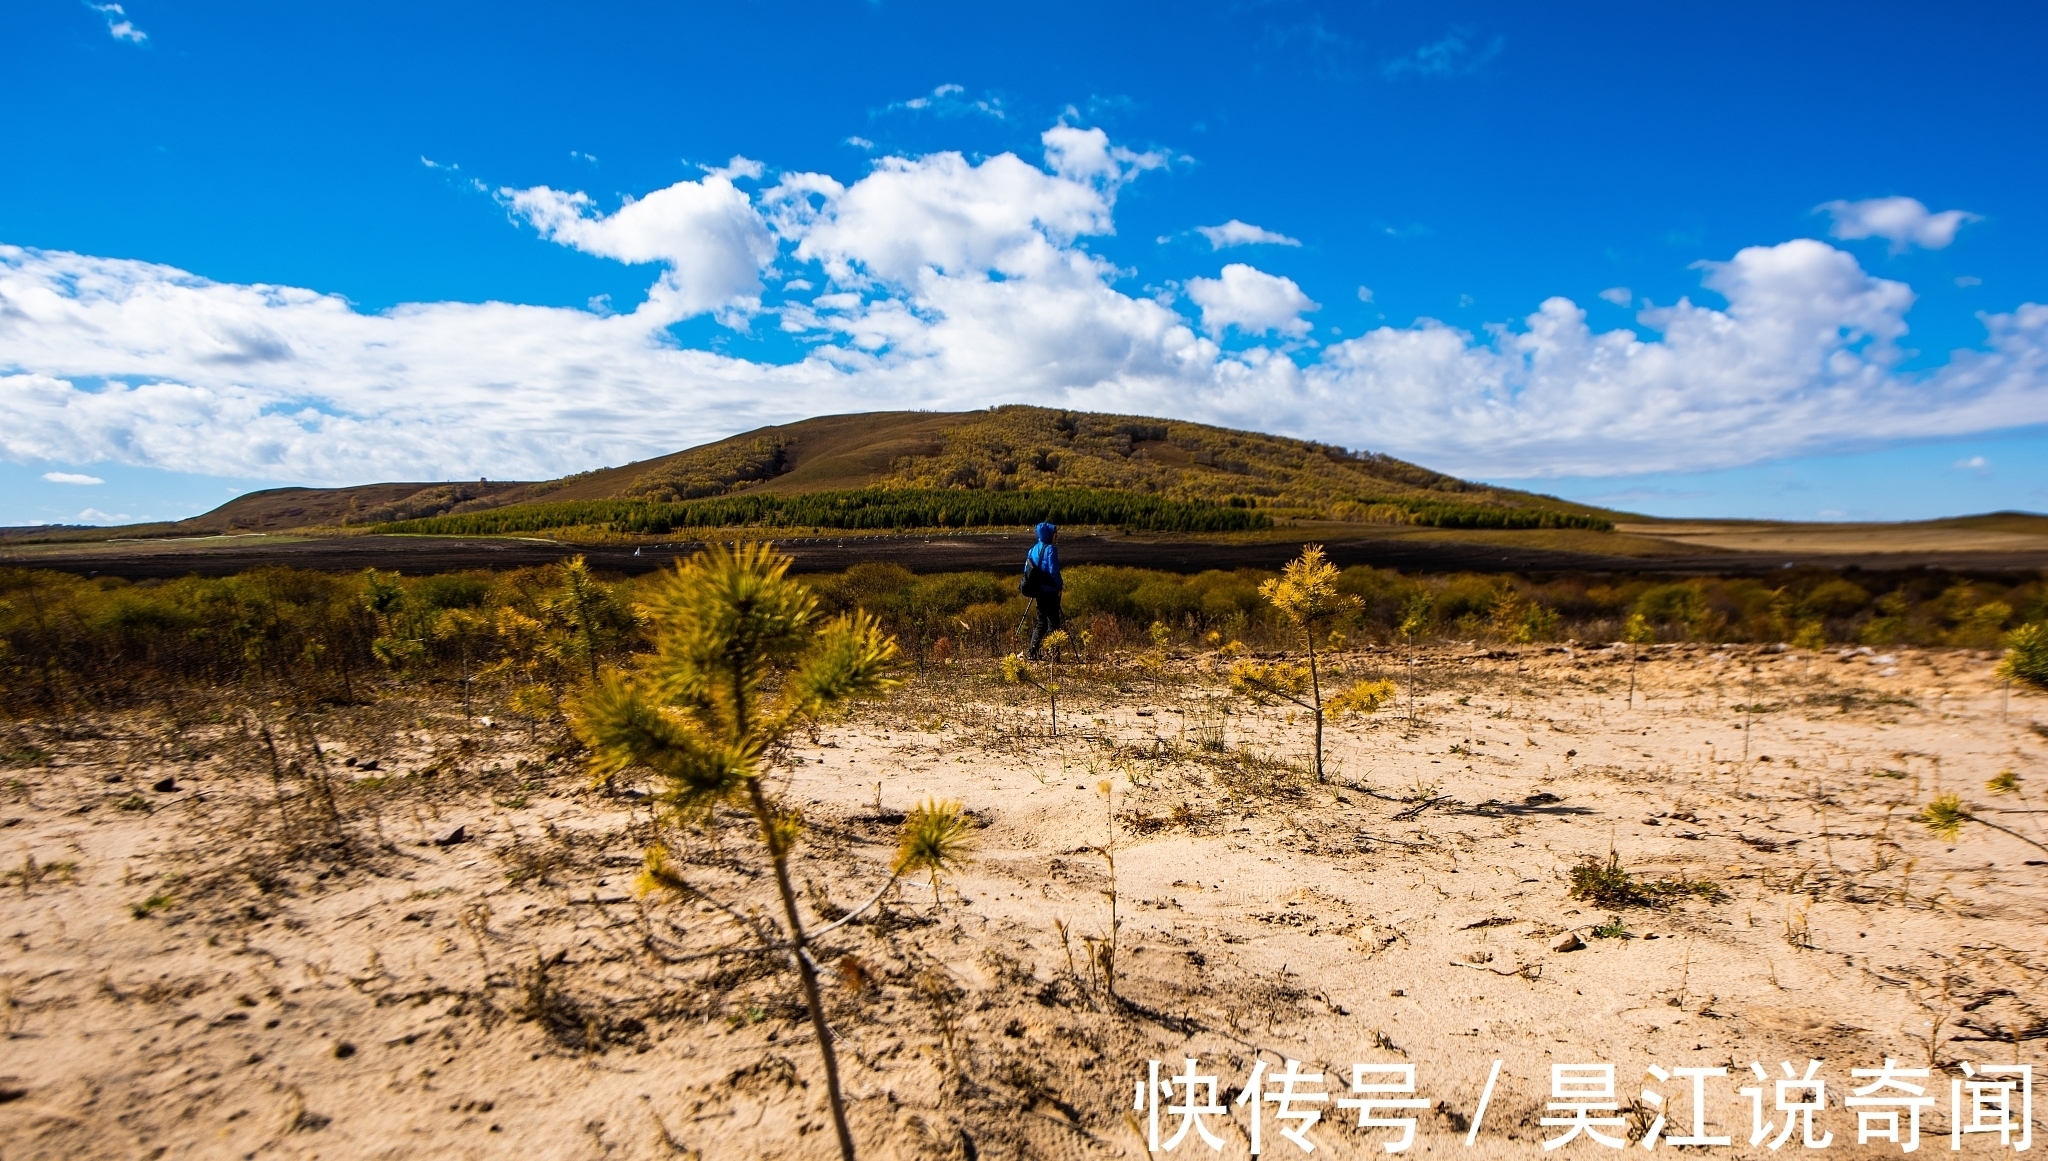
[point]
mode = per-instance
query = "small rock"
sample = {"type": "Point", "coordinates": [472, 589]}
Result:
{"type": "Point", "coordinates": [165, 785]}
{"type": "Point", "coordinates": [449, 838]}
{"type": "Point", "coordinates": [343, 1050]}
{"type": "Point", "coordinates": [1651, 822]}
{"type": "Point", "coordinates": [372, 764]}
{"type": "Point", "coordinates": [1571, 942]}
{"type": "Point", "coordinates": [348, 761]}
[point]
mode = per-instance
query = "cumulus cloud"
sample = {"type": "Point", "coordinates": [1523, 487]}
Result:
{"type": "Point", "coordinates": [1802, 358]}
{"type": "Point", "coordinates": [72, 478]}
{"type": "Point", "coordinates": [1086, 155]}
{"type": "Point", "coordinates": [939, 282]}
{"type": "Point", "coordinates": [1904, 222]}
{"type": "Point", "coordinates": [1236, 233]}
{"type": "Point", "coordinates": [707, 233]}
{"type": "Point", "coordinates": [1618, 295]}
{"type": "Point", "coordinates": [1251, 300]}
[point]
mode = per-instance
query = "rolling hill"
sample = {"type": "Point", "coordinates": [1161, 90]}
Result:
{"type": "Point", "coordinates": [884, 458]}
{"type": "Point", "coordinates": [1004, 468]}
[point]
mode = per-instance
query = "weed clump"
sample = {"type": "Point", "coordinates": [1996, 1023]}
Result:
{"type": "Point", "coordinates": [1608, 884]}
{"type": "Point", "coordinates": [1614, 928]}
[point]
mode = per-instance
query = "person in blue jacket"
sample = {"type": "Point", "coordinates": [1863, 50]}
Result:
{"type": "Point", "coordinates": [1043, 583]}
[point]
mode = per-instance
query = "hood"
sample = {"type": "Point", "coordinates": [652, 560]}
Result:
{"type": "Point", "coordinates": [1045, 533]}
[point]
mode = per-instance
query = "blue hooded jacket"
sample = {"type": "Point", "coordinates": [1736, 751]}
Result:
{"type": "Point", "coordinates": [1046, 555]}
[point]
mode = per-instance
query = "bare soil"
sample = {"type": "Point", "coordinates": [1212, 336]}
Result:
{"type": "Point", "coordinates": [228, 934]}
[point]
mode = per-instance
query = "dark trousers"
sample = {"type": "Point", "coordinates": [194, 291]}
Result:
{"type": "Point", "coordinates": [1045, 622]}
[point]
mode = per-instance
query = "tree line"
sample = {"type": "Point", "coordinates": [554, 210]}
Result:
{"type": "Point", "coordinates": [863, 509]}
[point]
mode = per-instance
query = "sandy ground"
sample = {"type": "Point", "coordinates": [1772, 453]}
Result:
{"type": "Point", "coordinates": [275, 958]}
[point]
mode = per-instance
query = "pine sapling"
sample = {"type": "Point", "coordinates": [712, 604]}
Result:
{"type": "Point", "coordinates": [740, 661]}
{"type": "Point", "coordinates": [1306, 594]}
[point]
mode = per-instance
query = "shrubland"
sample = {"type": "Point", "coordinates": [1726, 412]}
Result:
{"type": "Point", "coordinates": [530, 633]}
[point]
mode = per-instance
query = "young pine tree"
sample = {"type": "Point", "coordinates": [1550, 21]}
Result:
{"type": "Point", "coordinates": [2026, 655]}
{"type": "Point", "coordinates": [1306, 594]}
{"type": "Point", "coordinates": [740, 660]}
{"type": "Point", "coordinates": [1637, 633]}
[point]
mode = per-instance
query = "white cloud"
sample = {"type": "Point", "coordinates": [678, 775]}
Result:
{"type": "Point", "coordinates": [1801, 359]}
{"type": "Point", "coordinates": [1453, 56]}
{"type": "Point", "coordinates": [118, 25]}
{"type": "Point", "coordinates": [1618, 295]}
{"type": "Point", "coordinates": [945, 215]}
{"type": "Point", "coordinates": [1251, 300]}
{"type": "Point", "coordinates": [949, 101]}
{"type": "Point", "coordinates": [1087, 155]}
{"type": "Point", "coordinates": [936, 282]}
{"type": "Point", "coordinates": [95, 516]}
{"type": "Point", "coordinates": [1903, 221]}
{"type": "Point", "coordinates": [1965, 281]}
{"type": "Point", "coordinates": [740, 167]}
{"type": "Point", "coordinates": [1977, 464]}
{"type": "Point", "coordinates": [860, 143]}
{"type": "Point", "coordinates": [706, 233]}
{"type": "Point", "coordinates": [1236, 233]}
{"type": "Point", "coordinates": [72, 478]}
{"type": "Point", "coordinates": [1365, 294]}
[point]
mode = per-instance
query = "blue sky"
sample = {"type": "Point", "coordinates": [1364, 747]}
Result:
{"type": "Point", "coordinates": [251, 245]}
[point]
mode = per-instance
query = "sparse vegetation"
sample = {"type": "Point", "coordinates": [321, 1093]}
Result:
{"type": "Point", "coordinates": [960, 990]}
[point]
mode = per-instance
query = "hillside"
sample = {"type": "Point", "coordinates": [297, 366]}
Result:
{"type": "Point", "coordinates": [1001, 450]}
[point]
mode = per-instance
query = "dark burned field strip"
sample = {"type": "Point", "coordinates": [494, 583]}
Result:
{"type": "Point", "coordinates": [224, 556]}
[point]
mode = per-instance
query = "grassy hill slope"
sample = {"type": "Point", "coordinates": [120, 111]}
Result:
{"type": "Point", "coordinates": [998, 467]}
{"type": "Point", "coordinates": [891, 458]}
